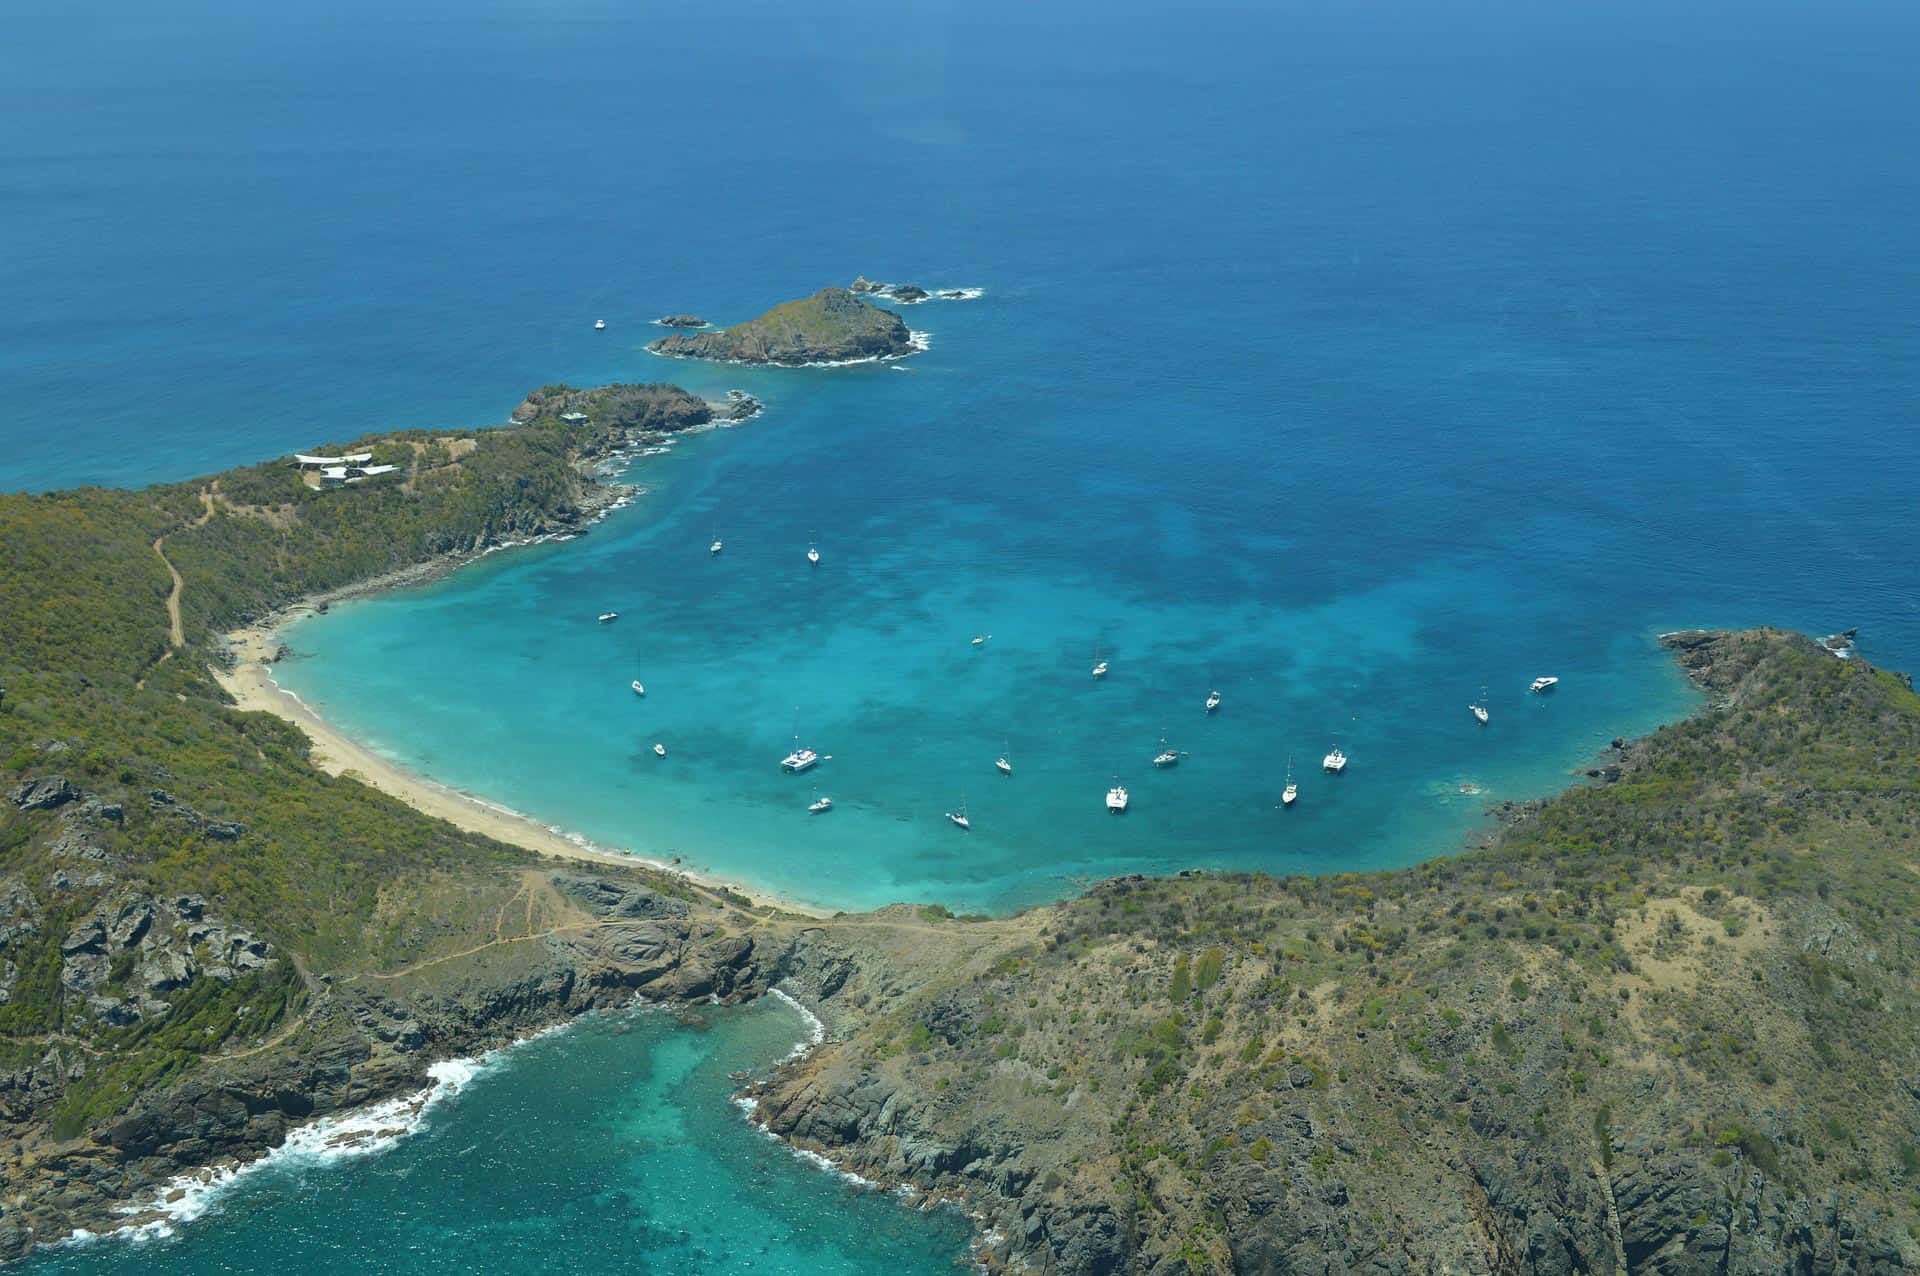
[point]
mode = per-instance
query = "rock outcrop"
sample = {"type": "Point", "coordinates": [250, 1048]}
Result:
{"type": "Point", "coordinates": [832, 326]}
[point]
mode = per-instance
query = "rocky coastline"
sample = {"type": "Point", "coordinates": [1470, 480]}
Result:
{"type": "Point", "coordinates": [357, 1042]}
{"type": "Point", "coordinates": [833, 326]}
{"type": "Point", "coordinates": [1304, 1146]}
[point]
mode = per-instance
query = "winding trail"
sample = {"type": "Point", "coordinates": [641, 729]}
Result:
{"type": "Point", "coordinates": [176, 632]}
{"type": "Point", "coordinates": [176, 635]}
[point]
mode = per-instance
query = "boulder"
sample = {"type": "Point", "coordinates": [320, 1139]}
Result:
{"type": "Point", "coordinates": [45, 793]}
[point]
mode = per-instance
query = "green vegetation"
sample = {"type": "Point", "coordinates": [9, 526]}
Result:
{"type": "Point", "coordinates": [1704, 971]}
{"type": "Point", "coordinates": [97, 692]}
{"type": "Point", "coordinates": [831, 325]}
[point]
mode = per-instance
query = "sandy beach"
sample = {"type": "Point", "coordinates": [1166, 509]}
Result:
{"type": "Point", "coordinates": [250, 683]}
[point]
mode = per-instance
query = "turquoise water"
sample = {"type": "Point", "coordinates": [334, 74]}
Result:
{"type": "Point", "coordinates": [872, 648]}
{"type": "Point", "coordinates": [611, 1146]}
{"type": "Point", "coordinates": [1344, 357]}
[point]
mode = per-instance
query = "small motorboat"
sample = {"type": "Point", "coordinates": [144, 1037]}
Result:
{"type": "Point", "coordinates": [1213, 701]}
{"type": "Point", "coordinates": [1335, 761]}
{"type": "Point", "coordinates": [599, 325]}
{"type": "Point", "coordinates": [819, 804]}
{"type": "Point", "coordinates": [959, 817]}
{"type": "Point", "coordinates": [659, 750]}
{"type": "Point", "coordinates": [1543, 684]}
{"type": "Point", "coordinates": [980, 640]}
{"type": "Point", "coordinates": [1117, 799]}
{"type": "Point", "coordinates": [608, 617]}
{"type": "Point", "coordinates": [638, 690]}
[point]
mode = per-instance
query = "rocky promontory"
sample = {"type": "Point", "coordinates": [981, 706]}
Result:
{"type": "Point", "coordinates": [831, 326]}
{"type": "Point", "coordinates": [681, 321]}
{"type": "Point", "coordinates": [651, 407]}
{"type": "Point", "coordinates": [1665, 1024]}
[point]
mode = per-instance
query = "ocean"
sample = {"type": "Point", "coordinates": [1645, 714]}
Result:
{"type": "Point", "coordinates": [609, 1146]}
{"type": "Point", "coordinates": [1347, 359]}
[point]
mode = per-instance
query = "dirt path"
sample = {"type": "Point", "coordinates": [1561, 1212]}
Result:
{"type": "Point", "coordinates": [176, 635]}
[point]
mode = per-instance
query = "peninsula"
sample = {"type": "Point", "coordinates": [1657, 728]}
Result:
{"type": "Point", "coordinates": [1668, 1021]}
{"type": "Point", "coordinates": [831, 326]}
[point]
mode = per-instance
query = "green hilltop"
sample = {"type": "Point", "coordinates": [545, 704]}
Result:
{"type": "Point", "coordinates": [831, 326]}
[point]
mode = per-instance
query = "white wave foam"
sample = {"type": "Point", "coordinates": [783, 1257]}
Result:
{"type": "Point", "coordinates": [329, 1140]}
{"type": "Point", "coordinates": [816, 1031]}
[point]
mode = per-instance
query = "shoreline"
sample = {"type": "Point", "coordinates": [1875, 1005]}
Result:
{"type": "Point", "coordinates": [249, 681]}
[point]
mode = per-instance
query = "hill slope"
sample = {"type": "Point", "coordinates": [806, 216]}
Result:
{"type": "Point", "coordinates": [832, 326]}
{"type": "Point", "coordinates": [1664, 1024]}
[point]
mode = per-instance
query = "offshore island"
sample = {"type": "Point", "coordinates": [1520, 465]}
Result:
{"type": "Point", "coordinates": [1665, 1021]}
{"type": "Point", "coordinates": [831, 326]}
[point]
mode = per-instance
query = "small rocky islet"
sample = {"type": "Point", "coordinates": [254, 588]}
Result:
{"type": "Point", "coordinates": [831, 326]}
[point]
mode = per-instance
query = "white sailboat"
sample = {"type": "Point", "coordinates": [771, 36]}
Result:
{"type": "Point", "coordinates": [638, 690]}
{"type": "Point", "coordinates": [1099, 665]}
{"type": "Point", "coordinates": [608, 617]}
{"type": "Point", "coordinates": [1479, 708]}
{"type": "Point", "coordinates": [980, 640]}
{"type": "Point", "coordinates": [1213, 701]}
{"type": "Point", "coordinates": [1292, 791]}
{"type": "Point", "coordinates": [959, 817]}
{"type": "Point", "coordinates": [1168, 755]}
{"type": "Point", "coordinates": [659, 750]}
{"type": "Point", "coordinates": [599, 325]}
{"type": "Point", "coordinates": [1004, 763]}
{"type": "Point", "coordinates": [717, 545]}
{"type": "Point", "coordinates": [819, 804]}
{"type": "Point", "coordinates": [1117, 798]}
{"type": "Point", "coordinates": [813, 555]}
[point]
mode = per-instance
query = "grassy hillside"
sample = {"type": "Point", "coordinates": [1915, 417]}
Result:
{"type": "Point", "coordinates": [124, 775]}
{"type": "Point", "coordinates": [1667, 1023]}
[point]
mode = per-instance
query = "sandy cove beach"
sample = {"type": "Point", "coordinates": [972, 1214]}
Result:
{"type": "Point", "coordinates": [250, 683]}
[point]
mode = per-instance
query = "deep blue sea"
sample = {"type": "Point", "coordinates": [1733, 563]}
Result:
{"type": "Point", "coordinates": [1346, 358]}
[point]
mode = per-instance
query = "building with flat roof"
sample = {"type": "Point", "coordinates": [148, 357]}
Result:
{"type": "Point", "coordinates": [305, 462]}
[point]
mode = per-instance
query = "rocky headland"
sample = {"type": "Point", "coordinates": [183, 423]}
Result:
{"type": "Point", "coordinates": [647, 408]}
{"type": "Point", "coordinates": [1664, 1023]}
{"type": "Point", "coordinates": [831, 326]}
{"type": "Point", "coordinates": [681, 321]}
